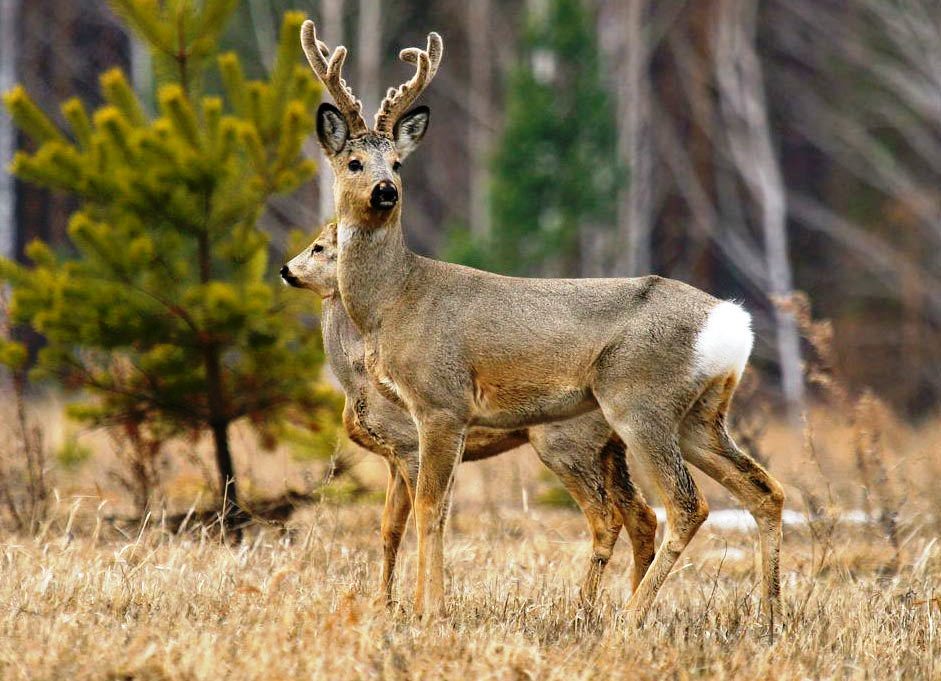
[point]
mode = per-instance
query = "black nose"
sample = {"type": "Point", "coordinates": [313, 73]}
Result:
{"type": "Point", "coordinates": [287, 276]}
{"type": "Point", "coordinates": [384, 196]}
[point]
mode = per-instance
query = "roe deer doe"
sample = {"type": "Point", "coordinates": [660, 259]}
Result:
{"type": "Point", "coordinates": [459, 347]}
{"type": "Point", "coordinates": [583, 451]}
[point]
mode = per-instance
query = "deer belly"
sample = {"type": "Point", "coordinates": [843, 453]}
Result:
{"type": "Point", "coordinates": [518, 406]}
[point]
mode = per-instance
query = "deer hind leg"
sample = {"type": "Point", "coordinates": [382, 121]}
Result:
{"type": "Point", "coordinates": [623, 504]}
{"type": "Point", "coordinates": [581, 456]}
{"type": "Point", "coordinates": [650, 433]}
{"type": "Point", "coordinates": [604, 523]}
{"type": "Point", "coordinates": [706, 444]}
{"type": "Point", "coordinates": [395, 514]}
{"type": "Point", "coordinates": [639, 519]}
{"type": "Point", "coordinates": [441, 445]}
{"type": "Point", "coordinates": [575, 463]}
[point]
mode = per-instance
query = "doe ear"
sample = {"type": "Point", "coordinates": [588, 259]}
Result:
{"type": "Point", "coordinates": [332, 129]}
{"type": "Point", "coordinates": [409, 129]}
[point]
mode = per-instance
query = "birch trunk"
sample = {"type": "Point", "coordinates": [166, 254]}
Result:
{"type": "Point", "coordinates": [479, 131]}
{"type": "Point", "coordinates": [263, 27]}
{"type": "Point", "coordinates": [142, 73]}
{"type": "Point", "coordinates": [331, 23]}
{"type": "Point", "coordinates": [8, 16]}
{"type": "Point", "coordinates": [368, 44]}
{"type": "Point", "coordinates": [742, 98]}
{"type": "Point", "coordinates": [634, 143]}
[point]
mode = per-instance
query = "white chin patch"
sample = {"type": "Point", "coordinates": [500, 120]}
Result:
{"type": "Point", "coordinates": [344, 234]}
{"type": "Point", "coordinates": [725, 342]}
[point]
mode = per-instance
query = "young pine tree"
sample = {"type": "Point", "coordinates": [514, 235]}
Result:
{"type": "Point", "coordinates": [556, 168]}
{"type": "Point", "coordinates": [167, 311]}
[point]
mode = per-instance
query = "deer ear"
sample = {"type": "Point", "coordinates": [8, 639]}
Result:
{"type": "Point", "coordinates": [332, 129]}
{"type": "Point", "coordinates": [410, 129]}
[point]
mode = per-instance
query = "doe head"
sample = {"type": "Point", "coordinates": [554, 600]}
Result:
{"type": "Point", "coordinates": [367, 186]}
{"type": "Point", "coordinates": [315, 268]}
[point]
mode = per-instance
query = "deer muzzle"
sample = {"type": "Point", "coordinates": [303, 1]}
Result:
{"type": "Point", "coordinates": [384, 196]}
{"type": "Point", "coordinates": [289, 278]}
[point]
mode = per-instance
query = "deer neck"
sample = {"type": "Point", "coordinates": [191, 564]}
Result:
{"type": "Point", "coordinates": [342, 344]}
{"type": "Point", "coordinates": [372, 267]}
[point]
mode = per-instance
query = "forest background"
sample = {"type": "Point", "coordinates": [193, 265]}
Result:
{"type": "Point", "coordinates": [159, 167]}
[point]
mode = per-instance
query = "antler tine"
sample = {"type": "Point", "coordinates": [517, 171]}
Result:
{"type": "Point", "coordinates": [398, 100]}
{"type": "Point", "coordinates": [434, 50]}
{"type": "Point", "coordinates": [330, 74]}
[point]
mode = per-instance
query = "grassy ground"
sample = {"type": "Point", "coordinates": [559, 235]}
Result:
{"type": "Point", "coordinates": [301, 605]}
{"type": "Point", "coordinates": [179, 607]}
{"type": "Point", "coordinates": [86, 600]}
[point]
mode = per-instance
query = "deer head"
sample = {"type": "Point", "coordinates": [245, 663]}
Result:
{"type": "Point", "coordinates": [366, 161]}
{"type": "Point", "coordinates": [315, 267]}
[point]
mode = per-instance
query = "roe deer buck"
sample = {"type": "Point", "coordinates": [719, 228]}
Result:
{"type": "Point", "coordinates": [583, 451]}
{"type": "Point", "coordinates": [459, 347]}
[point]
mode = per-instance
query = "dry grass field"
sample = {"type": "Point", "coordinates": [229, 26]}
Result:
{"type": "Point", "coordinates": [300, 606]}
{"type": "Point", "coordinates": [86, 599]}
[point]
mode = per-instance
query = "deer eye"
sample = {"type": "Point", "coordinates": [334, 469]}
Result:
{"type": "Point", "coordinates": [396, 166]}
{"type": "Point", "coordinates": [316, 249]}
{"type": "Point", "coordinates": [354, 165]}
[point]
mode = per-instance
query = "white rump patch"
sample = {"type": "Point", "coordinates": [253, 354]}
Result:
{"type": "Point", "coordinates": [725, 341]}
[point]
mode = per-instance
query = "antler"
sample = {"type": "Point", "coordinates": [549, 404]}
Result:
{"type": "Point", "coordinates": [398, 100]}
{"type": "Point", "coordinates": [329, 73]}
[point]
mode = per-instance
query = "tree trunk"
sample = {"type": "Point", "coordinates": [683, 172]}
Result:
{"type": "Point", "coordinates": [744, 109]}
{"type": "Point", "coordinates": [218, 417]}
{"type": "Point", "coordinates": [142, 74]}
{"type": "Point", "coordinates": [219, 424]}
{"type": "Point", "coordinates": [331, 26]}
{"type": "Point", "coordinates": [60, 51]}
{"type": "Point", "coordinates": [266, 33]}
{"type": "Point", "coordinates": [227, 482]}
{"type": "Point", "coordinates": [8, 12]}
{"type": "Point", "coordinates": [635, 141]}
{"type": "Point", "coordinates": [368, 44]}
{"type": "Point", "coordinates": [479, 130]}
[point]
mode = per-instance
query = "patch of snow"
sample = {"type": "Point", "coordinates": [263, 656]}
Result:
{"type": "Point", "coordinates": [740, 520]}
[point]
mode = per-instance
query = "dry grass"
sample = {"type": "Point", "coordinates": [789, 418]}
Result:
{"type": "Point", "coordinates": [161, 606]}
{"type": "Point", "coordinates": [86, 603]}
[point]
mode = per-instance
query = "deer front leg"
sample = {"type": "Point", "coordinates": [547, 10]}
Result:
{"type": "Point", "coordinates": [395, 514]}
{"type": "Point", "coordinates": [441, 445]}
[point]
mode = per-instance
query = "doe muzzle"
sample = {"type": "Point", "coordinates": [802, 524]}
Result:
{"type": "Point", "coordinates": [288, 278]}
{"type": "Point", "coordinates": [384, 196]}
